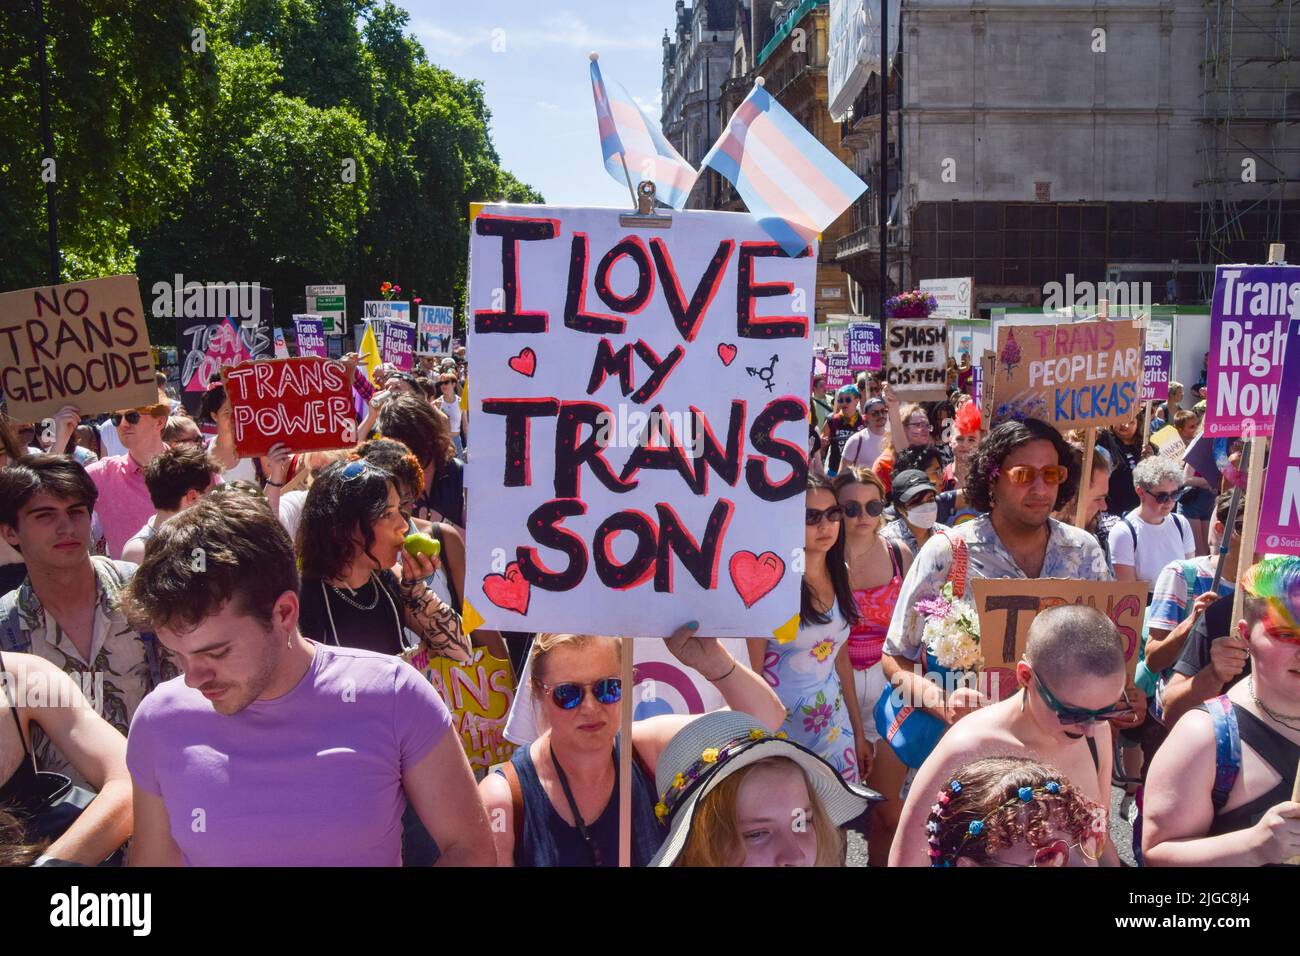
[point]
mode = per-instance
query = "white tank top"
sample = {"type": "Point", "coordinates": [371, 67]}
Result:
{"type": "Point", "coordinates": [452, 411]}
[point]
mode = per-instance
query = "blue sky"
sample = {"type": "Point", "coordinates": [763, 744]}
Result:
{"type": "Point", "coordinates": [536, 79]}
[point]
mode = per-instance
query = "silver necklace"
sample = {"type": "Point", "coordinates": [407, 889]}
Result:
{"type": "Point", "coordinates": [1286, 720]}
{"type": "Point", "coordinates": [357, 604]}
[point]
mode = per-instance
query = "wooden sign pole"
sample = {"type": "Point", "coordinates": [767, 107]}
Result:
{"type": "Point", "coordinates": [625, 762]}
{"type": "Point", "coordinates": [1085, 479]}
{"type": "Point", "coordinates": [1089, 449]}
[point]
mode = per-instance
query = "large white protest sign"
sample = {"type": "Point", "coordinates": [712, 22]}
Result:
{"type": "Point", "coordinates": [641, 399]}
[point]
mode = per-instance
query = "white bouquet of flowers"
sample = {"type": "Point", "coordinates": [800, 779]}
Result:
{"type": "Point", "coordinates": [952, 631]}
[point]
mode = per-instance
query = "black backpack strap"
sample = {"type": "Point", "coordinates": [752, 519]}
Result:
{"type": "Point", "coordinates": [1133, 531]}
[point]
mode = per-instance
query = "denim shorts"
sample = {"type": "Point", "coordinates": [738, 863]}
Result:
{"type": "Point", "coordinates": [1197, 505]}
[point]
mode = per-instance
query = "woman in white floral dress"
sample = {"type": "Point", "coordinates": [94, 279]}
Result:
{"type": "Point", "coordinates": [806, 672]}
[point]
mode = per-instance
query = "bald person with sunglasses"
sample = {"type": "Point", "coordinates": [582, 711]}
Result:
{"type": "Point", "coordinates": [1019, 475]}
{"type": "Point", "coordinates": [1071, 683]}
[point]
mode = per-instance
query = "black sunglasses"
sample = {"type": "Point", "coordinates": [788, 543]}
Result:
{"type": "Point", "coordinates": [567, 696]}
{"type": "Point", "coordinates": [813, 516]}
{"type": "Point", "coordinates": [1073, 716]}
{"type": "Point", "coordinates": [1164, 497]}
{"type": "Point", "coordinates": [132, 418]}
{"type": "Point", "coordinates": [874, 509]}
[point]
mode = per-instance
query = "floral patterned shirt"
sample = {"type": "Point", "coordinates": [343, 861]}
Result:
{"type": "Point", "coordinates": [115, 678]}
{"type": "Point", "coordinates": [1071, 553]}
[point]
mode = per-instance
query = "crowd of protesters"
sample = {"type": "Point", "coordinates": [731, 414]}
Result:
{"type": "Point", "coordinates": [241, 629]}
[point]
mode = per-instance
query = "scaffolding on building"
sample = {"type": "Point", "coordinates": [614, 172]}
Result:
{"type": "Point", "coordinates": [1250, 108]}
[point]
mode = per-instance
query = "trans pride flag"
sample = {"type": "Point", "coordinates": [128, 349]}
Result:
{"type": "Point", "coordinates": [627, 137]}
{"type": "Point", "coordinates": [793, 185]}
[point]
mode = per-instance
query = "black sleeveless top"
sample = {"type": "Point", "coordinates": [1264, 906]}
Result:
{"type": "Point", "coordinates": [23, 790]}
{"type": "Point", "coordinates": [1278, 752]}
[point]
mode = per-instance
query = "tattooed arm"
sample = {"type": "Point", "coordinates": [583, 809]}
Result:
{"type": "Point", "coordinates": [424, 612]}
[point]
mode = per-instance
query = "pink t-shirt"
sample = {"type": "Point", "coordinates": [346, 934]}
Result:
{"type": "Point", "coordinates": [312, 778]}
{"type": "Point", "coordinates": [124, 504]}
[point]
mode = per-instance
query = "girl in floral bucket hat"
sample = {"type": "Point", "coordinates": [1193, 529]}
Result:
{"type": "Point", "coordinates": [732, 793]}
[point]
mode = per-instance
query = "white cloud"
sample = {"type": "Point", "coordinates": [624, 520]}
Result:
{"type": "Point", "coordinates": [651, 107]}
{"type": "Point", "coordinates": [438, 41]}
{"type": "Point", "coordinates": [563, 30]}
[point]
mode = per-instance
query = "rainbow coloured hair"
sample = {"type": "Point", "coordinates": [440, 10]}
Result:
{"type": "Point", "coordinates": [1272, 588]}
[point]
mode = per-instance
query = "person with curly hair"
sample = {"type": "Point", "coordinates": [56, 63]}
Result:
{"type": "Point", "coordinates": [1152, 535]}
{"type": "Point", "coordinates": [1012, 811]}
{"type": "Point", "coordinates": [349, 541]}
{"type": "Point", "coordinates": [1071, 687]}
{"type": "Point", "coordinates": [1019, 474]}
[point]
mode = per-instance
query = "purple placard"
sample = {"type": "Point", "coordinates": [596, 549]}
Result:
{"type": "Point", "coordinates": [1279, 510]}
{"type": "Point", "coordinates": [1155, 376]}
{"type": "Point", "coordinates": [864, 347]}
{"type": "Point", "coordinates": [1248, 331]}
{"type": "Point", "coordinates": [838, 372]}
{"type": "Point", "coordinates": [399, 345]}
{"type": "Point", "coordinates": [311, 337]}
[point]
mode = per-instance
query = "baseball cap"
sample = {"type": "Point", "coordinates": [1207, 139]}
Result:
{"type": "Point", "coordinates": [910, 484]}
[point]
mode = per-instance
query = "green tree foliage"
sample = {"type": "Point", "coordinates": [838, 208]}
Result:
{"type": "Point", "coordinates": [123, 84]}
{"type": "Point", "coordinates": [304, 141]}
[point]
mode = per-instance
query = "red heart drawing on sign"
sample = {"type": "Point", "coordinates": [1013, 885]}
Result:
{"type": "Point", "coordinates": [727, 353]}
{"type": "Point", "coordinates": [525, 363]}
{"type": "Point", "coordinates": [509, 591]}
{"type": "Point", "coordinates": [754, 575]}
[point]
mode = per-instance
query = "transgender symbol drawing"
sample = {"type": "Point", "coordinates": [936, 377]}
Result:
{"type": "Point", "coordinates": [766, 373]}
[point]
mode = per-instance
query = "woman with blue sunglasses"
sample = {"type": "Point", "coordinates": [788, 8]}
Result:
{"type": "Point", "coordinates": [554, 803]}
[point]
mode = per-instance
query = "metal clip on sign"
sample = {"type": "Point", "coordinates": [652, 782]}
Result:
{"type": "Point", "coordinates": [645, 215]}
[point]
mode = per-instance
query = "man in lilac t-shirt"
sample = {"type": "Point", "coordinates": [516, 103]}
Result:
{"type": "Point", "coordinates": [273, 750]}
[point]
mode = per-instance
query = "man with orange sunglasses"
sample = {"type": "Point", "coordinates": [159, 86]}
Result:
{"type": "Point", "coordinates": [1019, 475]}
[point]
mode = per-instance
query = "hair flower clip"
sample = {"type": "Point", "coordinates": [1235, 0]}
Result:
{"type": "Point", "coordinates": [1053, 787]}
{"type": "Point", "coordinates": [955, 786]}
{"type": "Point", "coordinates": [994, 472]}
{"type": "Point", "coordinates": [1025, 794]}
{"type": "Point", "coordinates": [976, 827]}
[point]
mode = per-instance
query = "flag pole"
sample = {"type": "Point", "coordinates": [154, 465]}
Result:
{"type": "Point", "coordinates": [595, 58]}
